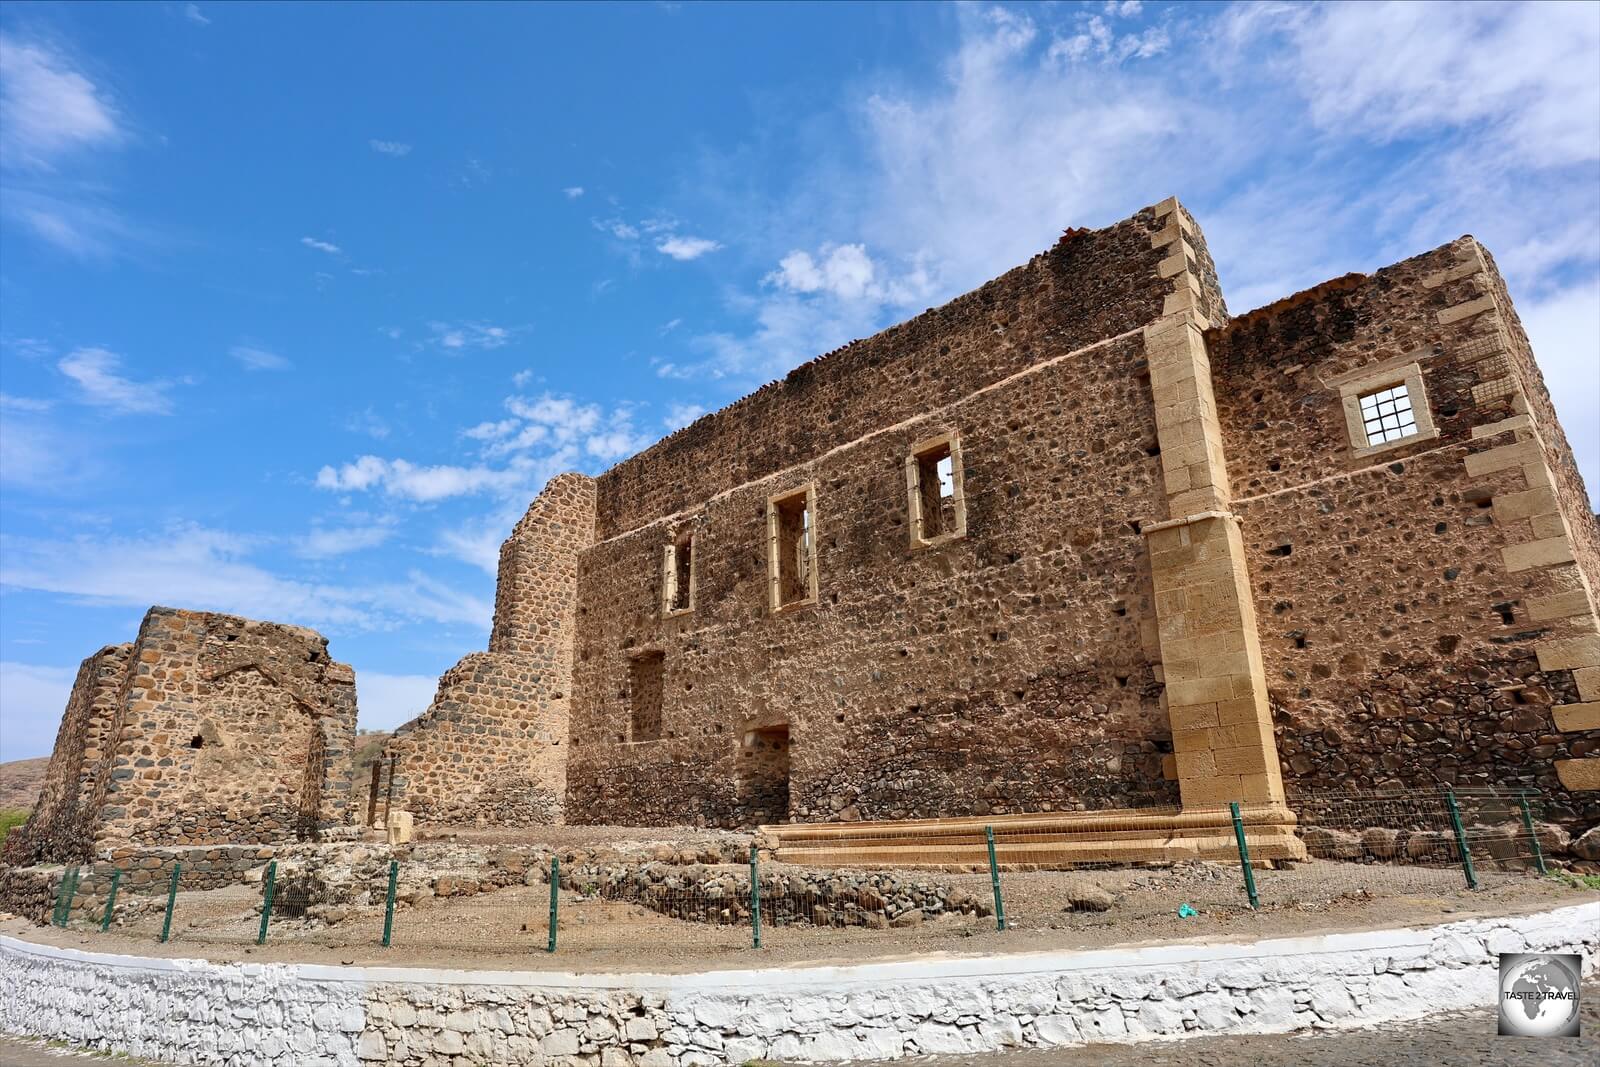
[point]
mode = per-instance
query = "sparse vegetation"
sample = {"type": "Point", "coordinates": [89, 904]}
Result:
{"type": "Point", "coordinates": [10, 818]}
{"type": "Point", "coordinates": [1577, 881]}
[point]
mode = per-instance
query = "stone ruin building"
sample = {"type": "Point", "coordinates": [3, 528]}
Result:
{"type": "Point", "coordinates": [1078, 540]}
{"type": "Point", "coordinates": [207, 729]}
{"type": "Point", "coordinates": [1074, 542]}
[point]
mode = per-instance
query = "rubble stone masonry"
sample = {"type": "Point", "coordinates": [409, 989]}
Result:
{"type": "Point", "coordinates": [492, 745]}
{"type": "Point", "coordinates": [207, 729]}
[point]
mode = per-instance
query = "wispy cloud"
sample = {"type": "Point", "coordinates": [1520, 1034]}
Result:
{"type": "Point", "coordinates": [416, 482]}
{"type": "Point", "coordinates": [23, 403]}
{"type": "Point", "coordinates": [390, 148]}
{"type": "Point", "coordinates": [321, 246]}
{"type": "Point", "coordinates": [368, 422]}
{"type": "Point", "coordinates": [680, 415]}
{"type": "Point", "coordinates": [323, 542]}
{"type": "Point", "coordinates": [193, 14]}
{"type": "Point", "coordinates": [95, 370]}
{"type": "Point", "coordinates": [460, 336]}
{"type": "Point", "coordinates": [48, 108]}
{"type": "Point", "coordinates": [212, 570]}
{"type": "Point", "coordinates": [686, 248]}
{"type": "Point", "coordinates": [573, 191]}
{"type": "Point", "coordinates": [252, 358]}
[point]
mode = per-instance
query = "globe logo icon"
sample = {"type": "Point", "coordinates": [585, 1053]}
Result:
{"type": "Point", "coordinates": [1539, 995]}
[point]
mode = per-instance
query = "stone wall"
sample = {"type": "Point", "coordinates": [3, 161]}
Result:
{"type": "Point", "coordinates": [1091, 286]}
{"type": "Point", "coordinates": [62, 823]}
{"type": "Point", "coordinates": [275, 1015]}
{"type": "Point", "coordinates": [493, 742]}
{"type": "Point", "coordinates": [1401, 615]}
{"type": "Point", "coordinates": [1012, 669]}
{"type": "Point", "coordinates": [209, 729]}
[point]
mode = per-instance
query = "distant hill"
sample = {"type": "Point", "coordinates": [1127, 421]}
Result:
{"type": "Point", "coordinates": [20, 782]}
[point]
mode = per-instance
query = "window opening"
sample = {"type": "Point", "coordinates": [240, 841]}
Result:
{"type": "Point", "coordinates": [933, 476]}
{"type": "Point", "coordinates": [791, 532]}
{"type": "Point", "coordinates": [677, 575]}
{"type": "Point", "coordinates": [645, 691]}
{"type": "Point", "coordinates": [1386, 415]}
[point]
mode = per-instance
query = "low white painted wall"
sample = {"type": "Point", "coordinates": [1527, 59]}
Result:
{"type": "Point", "coordinates": [190, 1011]}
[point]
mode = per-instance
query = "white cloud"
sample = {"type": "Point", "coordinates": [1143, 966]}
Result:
{"type": "Point", "coordinates": [33, 697]}
{"type": "Point", "coordinates": [48, 109]}
{"type": "Point", "coordinates": [323, 542]}
{"type": "Point", "coordinates": [253, 358]}
{"type": "Point", "coordinates": [209, 570]}
{"type": "Point", "coordinates": [390, 700]}
{"type": "Point", "coordinates": [491, 431]}
{"type": "Point", "coordinates": [617, 228]}
{"type": "Point", "coordinates": [390, 148]}
{"type": "Point", "coordinates": [459, 336]}
{"type": "Point", "coordinates": [686, 248]}
{"type": "Point", "coordinates": [522, 378]}
{"type": "Point", "coordinates": [424, 484]}
{"type": "Point", "coordinates": [193, 14]}
{"type": "Point", "coordinates": [320, 246]}
{"type": "Point", "coordinates": [76, 223]}
{"type": "Point", "coordinates": [681, 415]}
{"type": "Point", "coordinates": [23, 403]}
{"type": "Point", "coordinates": [573, 191]}
{"type": "Point", "coordinates": [1562, 329]}
{"type": "Point", "coordinates": [99, 384]}
{"type": "Point", "coordinates": [1525, 76]}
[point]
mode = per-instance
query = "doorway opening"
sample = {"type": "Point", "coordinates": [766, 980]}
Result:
{"type": "Point", "coordinates": [764, 774]}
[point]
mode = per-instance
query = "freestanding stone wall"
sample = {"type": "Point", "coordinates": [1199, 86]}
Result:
{"type": "Point", "coordinates": [208, 729]}
{"type": "Point", "coordinates": [493, 742]}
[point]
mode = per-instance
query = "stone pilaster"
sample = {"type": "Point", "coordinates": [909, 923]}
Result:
{"type": "Point", "coordinates": [1216, 692]}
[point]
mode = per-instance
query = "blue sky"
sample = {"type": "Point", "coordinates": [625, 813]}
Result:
{"type": "Point", "coordinates": [300, 305]}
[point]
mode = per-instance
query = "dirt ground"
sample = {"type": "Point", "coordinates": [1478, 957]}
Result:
{"type": "Point", "coordinates": [508, 929]}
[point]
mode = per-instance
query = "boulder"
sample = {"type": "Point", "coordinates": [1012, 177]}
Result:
{"type": "Point", "coordinates": [1381, 841]}
{"type": "Point", "coordinates": [1328, 844]}
{"type": "Point", "coordinates": [1587, 845]}
{"type": "Point", "coordinates": [1086, 896]}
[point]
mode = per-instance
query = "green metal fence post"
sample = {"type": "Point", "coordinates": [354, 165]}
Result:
{"type": "Point", "coordinates": [172, 902]}
{"type": "Point", "coordinates": [1244, 855]}
{"type": "Point", "coordinates": [555, 899]}
{"type": "Point", "coordinates": [994, 878]}
{"type": "Point", "coordinates": [266, 901]}
{"type": "Point", "coordinates": [388, 904]}
{"type": "Point", "coordinates": [755, 898]}
{"type": "Point", "coordinates": [64, 897]}
{"type": "Point", "coordinates": [1533, 837]}
{"type": "Point", "coordinates": [111, 899]}
{"type": "Point", "coordinates": [1461, 839]}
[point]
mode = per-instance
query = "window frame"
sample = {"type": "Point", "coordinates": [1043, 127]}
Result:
{"type": "Point", "coordinates": [1352, 392]}
{"type": "Point", "coordinates": [950, 441]}
{"type": "Point", "coordinates": [775, 502]}
{"type": "Point", "coordinates": [669, 571]}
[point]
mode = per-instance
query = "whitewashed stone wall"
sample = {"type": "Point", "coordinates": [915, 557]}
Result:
{"type": "Point", "coordinates": [247, 1014]}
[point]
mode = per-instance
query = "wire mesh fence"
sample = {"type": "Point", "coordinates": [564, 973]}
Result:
{"type": "Point", "coordinates": [831, 886]}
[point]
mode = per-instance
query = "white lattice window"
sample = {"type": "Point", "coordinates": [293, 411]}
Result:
{"type": "Point", "coordinates": [1387, 416]}
{"type": "Point", "coordinates": [1385, 407]}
